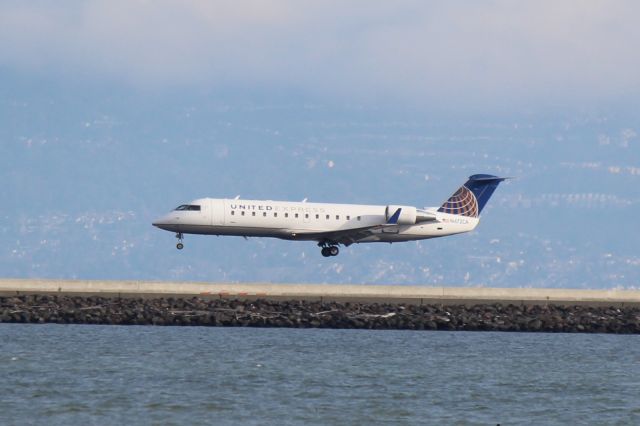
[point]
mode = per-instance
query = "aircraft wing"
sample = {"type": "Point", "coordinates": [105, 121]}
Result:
{"type": "Point", "coordinates": [353, 235]}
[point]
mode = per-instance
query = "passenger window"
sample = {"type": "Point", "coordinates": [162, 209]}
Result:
{"type": "Point", "coordinates": [253, 213]}
{"type": "Point", "coordinates": [233, 212]}
{"type": "Point", "coordinates": [317, 216]}
{"type": "Point", "coordinates": [358, 217]}
{"type": "Point", "coordinates": [242, 213]}
{"type": "Point", "coordinates": [337, 217]}
{"type": "Point", "coordinates": [327, 216]}
{"type": "Point", "coordinates": [296, 215]}
{"type": "Point", "coordinates": [348, 217]}
{"type": "Point", "coordinates": [286, 215]}
{"type": "Point", "coordinates": [306, 215]}
{"type": "Point", "coordinates": [275, 214]}
{"type": "Point", "coordinates": [264, 214]}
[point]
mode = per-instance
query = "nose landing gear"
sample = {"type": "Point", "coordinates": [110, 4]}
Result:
{"type": "Point", "coordinates": [179, 246]}
{"type": "Point", "coordinates": [329, 249]}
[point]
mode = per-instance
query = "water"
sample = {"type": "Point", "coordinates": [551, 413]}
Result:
{"type": "Point", "coordinates": [81, 374]}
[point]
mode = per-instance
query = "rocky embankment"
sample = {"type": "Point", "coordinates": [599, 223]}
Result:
{"type": "Point", "coordinates": [301, 314]}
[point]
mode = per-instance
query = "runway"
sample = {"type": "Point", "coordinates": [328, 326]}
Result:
{"type": "Point", "coordinates": [415, 295]}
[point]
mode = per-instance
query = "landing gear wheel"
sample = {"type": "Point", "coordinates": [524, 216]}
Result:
{"type": "Point", "coordinates": [334, 250]}
{"type": "Point", "coordinates": [179, 246]}
{"type": "Point", "coordinates": [325, 251]}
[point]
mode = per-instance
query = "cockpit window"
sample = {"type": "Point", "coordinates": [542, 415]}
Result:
{"type": "Point", "coordinates": [189, 207]}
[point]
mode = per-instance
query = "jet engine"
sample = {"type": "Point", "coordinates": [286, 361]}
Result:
{"type": "Point", "coordinates": [407, 214]}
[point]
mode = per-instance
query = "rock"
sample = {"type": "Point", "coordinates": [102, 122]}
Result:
{"type": "Point", "coordinates": [301, 314]}
{"type": "Point", "coordinates": [535, 325]}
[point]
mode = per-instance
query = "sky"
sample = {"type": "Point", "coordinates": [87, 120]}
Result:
{"type": "Point", "coordinates": [114, 112]}
{"type": "Point", "coordinates": [483, 54]}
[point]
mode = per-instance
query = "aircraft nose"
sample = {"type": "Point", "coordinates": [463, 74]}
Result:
{"type": "Point", "coordinates": [163, 222]}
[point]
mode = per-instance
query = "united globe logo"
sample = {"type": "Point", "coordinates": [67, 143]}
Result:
{"type": "Point", "coordinates": [462, 202]}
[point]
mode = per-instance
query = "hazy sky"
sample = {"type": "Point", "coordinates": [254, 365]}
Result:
{"type": "Point", "coordinates": [113, 112]}
{"type": "Point", "coordinates": [489, 53]}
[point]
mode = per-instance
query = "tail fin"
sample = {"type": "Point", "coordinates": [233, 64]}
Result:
{"type": "Point", "coordinates": [470, 198]}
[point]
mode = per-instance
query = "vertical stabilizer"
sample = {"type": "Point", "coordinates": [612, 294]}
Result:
{"type": "Point", "coordinates": [470, 198]}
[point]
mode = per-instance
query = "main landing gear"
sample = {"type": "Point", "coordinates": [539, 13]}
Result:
{"type": "Point", "coordinates": [329, 249]}
{"type": "Point", "coordinates": [179, 246]}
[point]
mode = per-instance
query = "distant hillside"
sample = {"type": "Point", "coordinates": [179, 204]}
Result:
{"type": "Point", "coordinates": [83, 179]}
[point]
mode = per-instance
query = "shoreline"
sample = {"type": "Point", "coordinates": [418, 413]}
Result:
{"type": "Point", "coordinates": [362, 293]}
{"type": "Point", "coordinates": [228, 312]}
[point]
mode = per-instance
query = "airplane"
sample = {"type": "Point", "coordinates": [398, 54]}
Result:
{"type": "Point", "coordinates": [332, 225]}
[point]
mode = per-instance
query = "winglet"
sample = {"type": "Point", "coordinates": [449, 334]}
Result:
{"type": "Point", "coordinates": [393, 220]}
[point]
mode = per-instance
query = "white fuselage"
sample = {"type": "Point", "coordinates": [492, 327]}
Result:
{"type": "Point", "coordinates": [304, 221]}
